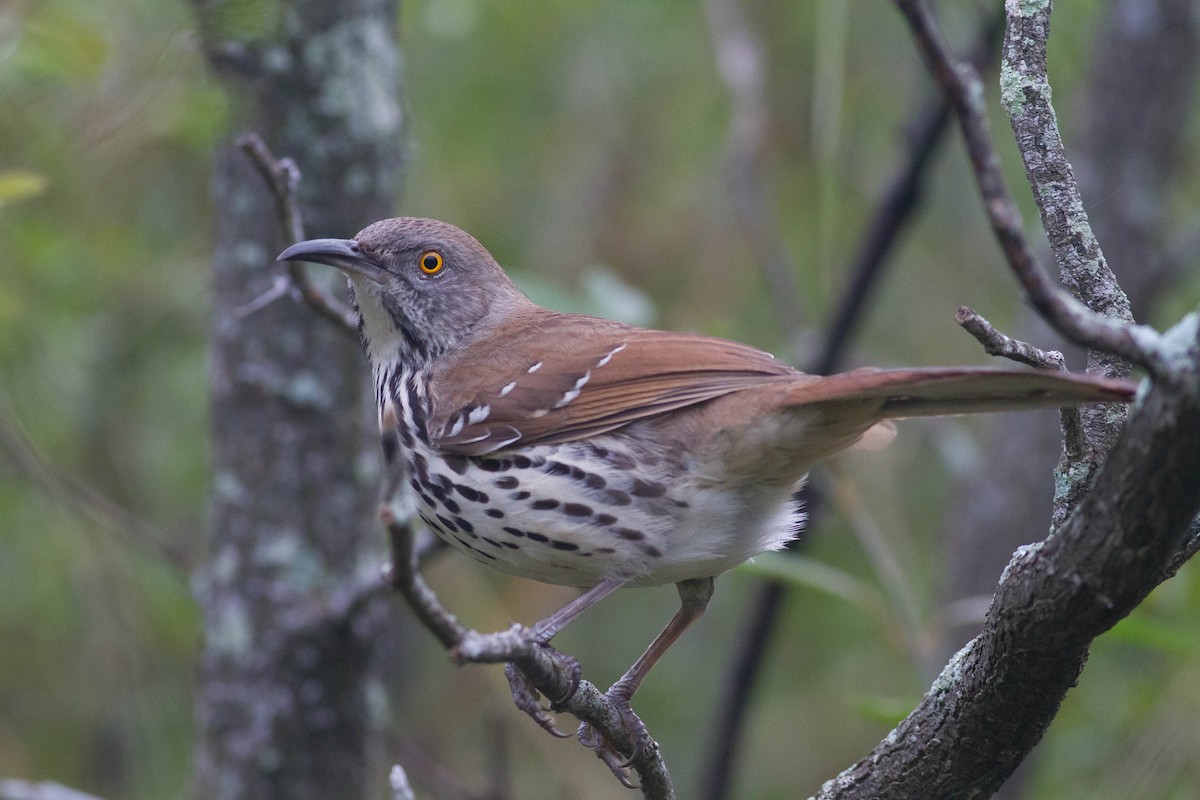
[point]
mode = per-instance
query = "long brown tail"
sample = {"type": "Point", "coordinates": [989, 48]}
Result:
{"type": "Point", "coordinates": [935, 391]}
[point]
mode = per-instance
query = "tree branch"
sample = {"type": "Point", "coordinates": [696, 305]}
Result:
{"type": "Point", "coordinates": [962, 87]}
{"type": "Point", "coordinates": [282, 177]}
{"type": "Point", "coordinates": [553, 674]}
{"type": "Point", "coordinates": [900, 201]}
{"type": "Point", "coordinates": [996, 697]}
{"type": "Point", "coordinates": [87, 501]}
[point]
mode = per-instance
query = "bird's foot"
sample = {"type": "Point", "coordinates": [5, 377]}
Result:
{"type": "Point", "coordinates": [528, 698]}
{"type": "Point", "coordinates": [609, 753]}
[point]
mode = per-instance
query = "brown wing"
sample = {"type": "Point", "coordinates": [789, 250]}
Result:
{"type": "Point", "coordinates": [561, 377]}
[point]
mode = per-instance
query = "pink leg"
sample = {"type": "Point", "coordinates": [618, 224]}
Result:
{"type": "Point", "coordinates": [693, 596]}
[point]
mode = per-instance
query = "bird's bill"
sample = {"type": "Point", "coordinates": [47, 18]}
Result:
{"type": "Point", "coordinates": [344, 254]}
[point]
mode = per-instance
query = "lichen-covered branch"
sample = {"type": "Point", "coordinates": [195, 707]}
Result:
{"type": "Point", "coordinates": [996, 697]}
{"type": "Point", "coordinates": [1069, 316]}
{"type": "Point", "coordinates": [1111, 546]}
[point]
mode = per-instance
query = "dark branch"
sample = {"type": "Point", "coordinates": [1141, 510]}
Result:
{"type": "Point", "coordinates": [997, 696]}
{"type": "Point", "coordinates": [900, 201]}
{"type": "Point", "coordinates": [961, 85]}
{"type": "Point", "coordinates": [548, 670]}
{"type": "Point", "coordinates": [282, 177]}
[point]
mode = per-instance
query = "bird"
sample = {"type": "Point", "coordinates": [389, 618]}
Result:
{"type": "Point", "coordinates": [590, 453]}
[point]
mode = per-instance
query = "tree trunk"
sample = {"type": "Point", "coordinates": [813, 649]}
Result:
{"type": "Point", "coordinates": [281, 707]}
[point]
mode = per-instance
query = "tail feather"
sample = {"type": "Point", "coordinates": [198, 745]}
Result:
{"type": "Point", "coordinates": [936, 391]}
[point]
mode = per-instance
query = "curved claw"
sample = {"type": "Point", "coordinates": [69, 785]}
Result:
{"type": "Point", "coordinates": [633, 723]}
{"type": "Point", "coordinates": [566, 662]}
{"type": "Point", "coordinates": [606, 752]}
{"type": "Point", "coordinates": [527, 699]}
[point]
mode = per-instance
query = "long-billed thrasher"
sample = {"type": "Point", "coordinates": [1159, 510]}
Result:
{"type": "Point", "coordinates": [589, 453]}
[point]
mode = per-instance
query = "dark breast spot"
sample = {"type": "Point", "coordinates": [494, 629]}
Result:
{"type": "Point", "coordinates": [463, 525]}
{"type": "Point", "coordinates": [457, 463]}
{"type": "Point", "coordinates": [446, 524]}
{"type": "Point", "coordinates": [506, 482]}
{"type": "Point", "coordinates": [517, 532]}
{"type": "Point", "coordinates": [494, 513]}
{"type": "Point", "coordinates": [450, 505]}
{"type": "Point", "coordinates": [473, 495]}
{"type": "Point", "coordinates": [544, 505]}
{"type": "Point", "coordinates": [577, 510]}
{"type": "Point", "coordinates": [630, 534]}
{"type": "Point", "coordinates": [644, 488]}
{"type": "Point", "coordinates": [617, 498]}
{"type": "Point", "coordinates": [559, 544]}
{"type": "Point", "coordinates": [604, 519]}
{"type": "Point", "coordinates": [422, 467]}
{"type": "Point", "coordinates": [537, 537]}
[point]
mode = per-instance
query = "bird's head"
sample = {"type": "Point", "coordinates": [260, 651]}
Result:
{"type": "Point", "coordinates": [421, 286]}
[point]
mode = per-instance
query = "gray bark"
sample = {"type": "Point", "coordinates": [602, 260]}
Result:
{"type": "Point", "coordinates": [1143, 75]}
{"type": "Point", "coordinates": [281, 707]}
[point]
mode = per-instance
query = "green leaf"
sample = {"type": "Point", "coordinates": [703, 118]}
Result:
{"type": "Point", "coordinates": [801, 571]}
{"type": "Point", "coordinates": [20, 184]}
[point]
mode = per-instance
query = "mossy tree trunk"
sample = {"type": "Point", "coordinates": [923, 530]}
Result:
{"type": "Point", "coordinates": [282, 701]}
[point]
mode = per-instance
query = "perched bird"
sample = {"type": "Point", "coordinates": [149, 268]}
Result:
{"type": "Point", "coordinates": [584, 452]}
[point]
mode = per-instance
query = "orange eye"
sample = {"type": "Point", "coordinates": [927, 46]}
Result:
{"type": "Point", "coordinates": [431, 262]}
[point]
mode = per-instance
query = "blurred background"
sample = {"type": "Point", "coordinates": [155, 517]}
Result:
{"type": "Point", "coordinates": [597, 149]}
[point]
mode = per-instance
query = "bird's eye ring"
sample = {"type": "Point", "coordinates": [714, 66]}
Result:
{"type": "Point", "coordinates": [431, 262]}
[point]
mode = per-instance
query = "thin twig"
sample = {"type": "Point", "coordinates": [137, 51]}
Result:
{"type": "Point", "coordinates": [999, 344]}
{"type": "Point", "coordinates": [87, 501]}
{"type": "Point", "coordinates": [12, 789]}
{"type": "Point", "coordinates": [961, 85]}
{"type": "Point", "coordinates": [398, 783]}
{"type": "Point", "coordinates": [900, 201]}
{"type": "Point", "coordinates": [548, 670]}
{"type": "Point", "coordinates": [282, 177]}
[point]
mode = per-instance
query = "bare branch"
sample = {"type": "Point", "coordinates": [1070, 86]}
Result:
{"type": "Point", "coordinates": [86, 500]}
{"type": "Point", "coordinates": [898, 205]}
{"type": "Point", "coordinates": [46, 790]}
{"type": "Point", "coordinates": [996, 697]}
{"type": "Point", "coordinates": [999, 344]}
{"type": "Point", "coordinates": [552, 673]}
{"type": "Point", "coordinates": [961, 84]}
{"type": "Point", "coordinates": [282, 177]}
{"type": "Point", "coordinates": [398, 783]}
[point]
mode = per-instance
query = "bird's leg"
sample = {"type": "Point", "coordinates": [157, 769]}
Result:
{"type": "Point", "coordinates": [548, 628]}
{"type": "Point", "coordinates": [693, 599]}
{"type": "Point", "coordinates": [525, 694]}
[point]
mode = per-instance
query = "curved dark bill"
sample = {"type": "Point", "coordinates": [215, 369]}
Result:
{"type": "Point", "coordinates": [341, 253]}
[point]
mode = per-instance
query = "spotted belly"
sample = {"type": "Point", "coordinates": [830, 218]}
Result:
{"type": "Point", "coordinates": [578, 512]}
